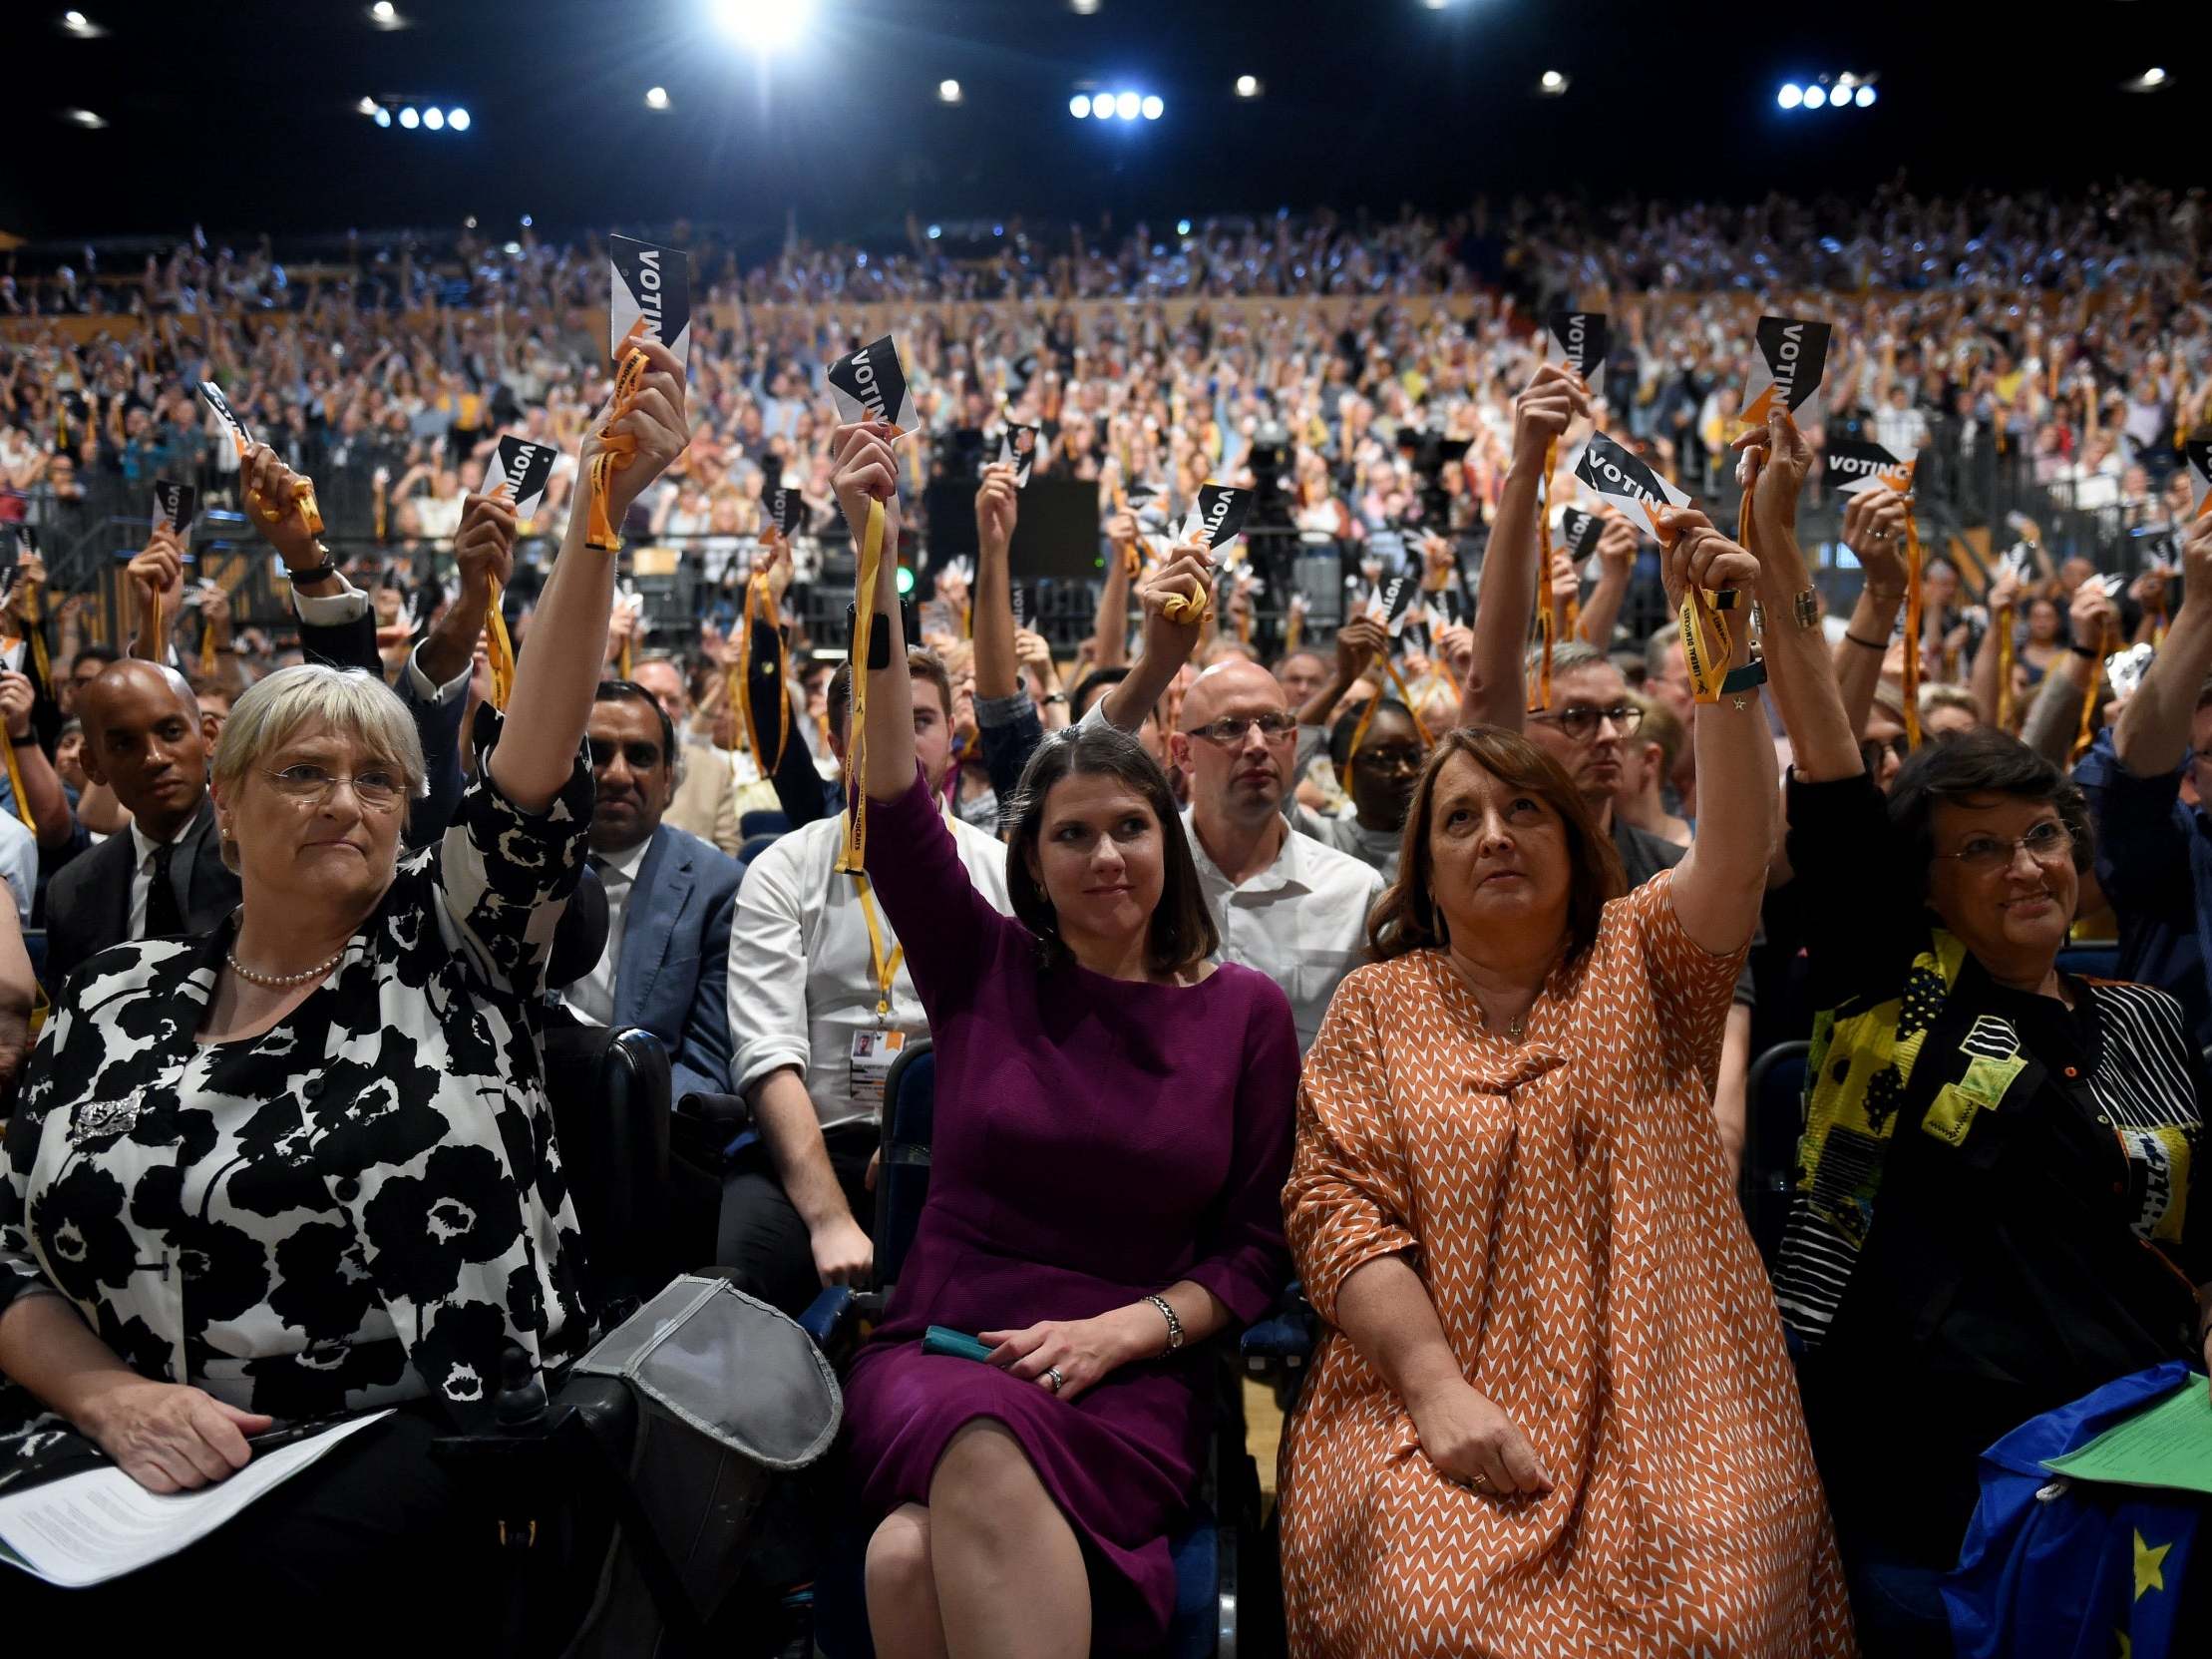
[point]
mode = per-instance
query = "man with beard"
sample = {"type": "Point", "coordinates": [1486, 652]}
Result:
{"type": "Point", "coordinates": [669, 898]}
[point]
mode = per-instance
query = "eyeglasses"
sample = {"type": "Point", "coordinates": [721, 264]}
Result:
{"type": "Point", "coordinates": [1580, 719]}
{"type": "Point", "coordinates": [378, 790]}
{"type": "Point", "coordinates": [1230, 729]}
{"type": "Point", "coordinates": [642, 757]}
{"type": "Point", "coordinates": [1390, 760]}
{"type": "Point", "coordinates": [2048, 842]}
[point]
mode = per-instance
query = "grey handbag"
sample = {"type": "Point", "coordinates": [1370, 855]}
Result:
{"type": "Point", "coordinates": [733, 1398]}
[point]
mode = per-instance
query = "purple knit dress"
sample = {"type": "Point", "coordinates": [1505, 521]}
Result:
{"type": "Point", "coordinates": [1096, 1140]}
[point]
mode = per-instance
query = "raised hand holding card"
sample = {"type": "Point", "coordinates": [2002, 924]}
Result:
{"type": "Point", "coordinates": [1787, 371]}
{"type": "Point", "coordinates": [871, 385]}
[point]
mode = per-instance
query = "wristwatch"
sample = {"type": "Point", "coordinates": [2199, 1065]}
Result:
{"type": "Point", "coordinates": [1055, 696]}
{"type": "Point", "coordinates": [313, 574]}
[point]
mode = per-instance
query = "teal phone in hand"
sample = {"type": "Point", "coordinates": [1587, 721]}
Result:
{"type": "Point", "coordinates": [953, 1344]}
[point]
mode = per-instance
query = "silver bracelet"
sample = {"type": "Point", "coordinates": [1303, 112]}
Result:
{"type": "Point", "coordinates": [1175, 1325]}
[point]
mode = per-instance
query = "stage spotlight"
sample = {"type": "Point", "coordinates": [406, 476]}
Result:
{"type": "Point", "coordinates": [949, 92]}
{"type": "Point", "coordinates": [1816, 94]}
{"type": "Point", "coordinates": [1790, 96]}
{"type": "Point", "coordinates": [409, 119]}
{"type": "Point", "coordinates": [468, 223]}
{"type": "Point", "coordinates": [526, 221]}
{"type": "Point", "coordinates": [1079, 105]}
{"type": "Point", "coordinates": [383, 116]}
{"type": "Point", "coordinates": [76, 20]}
{"type": "Point", "coordinates": [1552, 83]}
{"type": "Point", "coordinates": [1154, 108]}
{"type": "Point", "coordinates": [1864, 98]}
{"type": "Point", "coordinates": [656, 98]}
{"type": "Point", "coordinates": [2151, 80]}
{"type": "Point", "coordinates": [1839, 100]}
{"type": "Point", "coordinates": [368, 106]}
{"type": "Point", "coordinates": [385, 16]}
{"type": "Point", "coordinates": [1126, 105]}
{"type": "Point", "coordinates": [433, 118]}
{"type": "Point", "coordinates": [1182, 227]}
{"type": "Point", "coordinates": [458, 119]}
{"type": "Point", "coordinates": [1082, 8]}
{"type": "Point", "coordinates": [764, 25]}
{"type": "Point", "coordinates": [1247, 86]}
{"type": "Point", "coordinates": [936, 230]}
{"type": "Point", "coordinates": [84, 118]}
{"type": "Point", "coordinates": [1102, 108]}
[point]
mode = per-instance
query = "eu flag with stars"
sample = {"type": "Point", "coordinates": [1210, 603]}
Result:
{"type": "Point", "coordinates": [2053, 1568]}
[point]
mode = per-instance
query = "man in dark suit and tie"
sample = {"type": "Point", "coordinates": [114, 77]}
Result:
{"type": "Point", "coordinates": [669, 898]}
{"type": "Point", "coordinates": [165, 874]}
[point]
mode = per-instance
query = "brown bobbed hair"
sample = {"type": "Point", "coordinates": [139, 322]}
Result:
{"type": "Point", "coordinates": [1407, 918]}
{"type": "Point", "coordinates": [1181, 930]}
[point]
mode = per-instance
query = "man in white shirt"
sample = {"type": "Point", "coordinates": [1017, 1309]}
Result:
{"type": "Point", "coordinates": [1285, 905]}
{"type": "Point", "coordinates": [820, 1003]}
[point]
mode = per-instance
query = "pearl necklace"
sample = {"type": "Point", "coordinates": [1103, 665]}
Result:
{"type": "Point", "coordinates": [281, 981]}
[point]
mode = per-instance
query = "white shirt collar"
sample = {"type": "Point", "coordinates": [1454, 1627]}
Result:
{"type": "Point", "coordinates": [1286, 870]}
{"type": "Point", "coordinates": [145, 846]}
{"type": "Point", "coordinates": [623, 865]}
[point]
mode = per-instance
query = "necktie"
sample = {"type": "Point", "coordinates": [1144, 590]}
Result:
{"type": "Point", "coordinates": [164, 914]}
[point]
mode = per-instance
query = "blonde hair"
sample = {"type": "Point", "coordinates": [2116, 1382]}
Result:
{"type": "Point", "coordinates": [347, 701]}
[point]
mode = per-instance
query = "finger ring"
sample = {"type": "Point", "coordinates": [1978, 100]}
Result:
{"type": "Point", "coordinates": [1053, 1380]}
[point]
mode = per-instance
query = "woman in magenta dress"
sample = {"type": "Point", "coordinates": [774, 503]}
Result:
{"type": "Point", "coordinates": [1113, 1129]}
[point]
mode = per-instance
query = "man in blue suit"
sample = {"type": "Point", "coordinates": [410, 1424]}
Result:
{"type": "Point", "coordinates": [669, 898]}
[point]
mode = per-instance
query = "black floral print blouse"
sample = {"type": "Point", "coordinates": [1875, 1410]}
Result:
{"type": "Point", "coordinates": [357, 1207]}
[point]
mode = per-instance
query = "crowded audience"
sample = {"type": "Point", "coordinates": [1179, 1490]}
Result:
{"type": "Point", "coordinates": [1381, 913]}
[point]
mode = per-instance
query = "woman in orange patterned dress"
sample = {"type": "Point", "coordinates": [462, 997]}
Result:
{"type": "Point", "coordinates": [1553, 1414]}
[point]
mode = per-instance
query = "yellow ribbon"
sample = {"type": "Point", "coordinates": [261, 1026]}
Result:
{"type": "Point", "coordinates": [1545, 623]}
{"type": "Point", "coordinates": [616, 450]}
{"type": "Point", "coordinates": [1292, 630]}
{"type": "Point", "coordinates": [852, 857]}
{"type": "Point", "coordinates": [1367, 714]}
{"type": "Point", "coordinates": [2003, 623]}
{"type": "Point", "coordinates": [2084, 736]}
{"type": "Point", "coordinates": [886, 967]}
{"type": "Point", "coordinates": [501, 649]}
{"type": "Point", "coordinates": [741, 673]}
{"type": "Point", "coordinates": [208, 651]}
{"type": "Point", "coordinates": [15, 787]}
{"type": "Point", "coordinates": [622, 660]}
{"type": "Point", "coordinates": [1911, 628]}
{"type": "Point", "coordinates": [34, 627]}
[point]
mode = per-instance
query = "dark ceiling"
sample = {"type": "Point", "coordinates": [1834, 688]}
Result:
{"type": "Point", "coordinates": [241, 115]}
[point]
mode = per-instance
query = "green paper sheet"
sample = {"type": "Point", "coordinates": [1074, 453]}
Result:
{"type": "Point", "coordinates": [2169, 1444]}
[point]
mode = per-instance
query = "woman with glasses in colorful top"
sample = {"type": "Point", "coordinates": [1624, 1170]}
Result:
{"type": "Point", "coordinates": [1993, 1213]}
{"type": "Point", "coordinates": [303, 1165]}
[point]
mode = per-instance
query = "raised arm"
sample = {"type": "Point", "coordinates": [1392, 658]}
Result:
{"type": "Point", "coordinates": [157, 583]}
{"type": "Point", "coordinates": [1722, 878]}
{"type": "Point", "coordinates": [559, 667]}
{"type": "Point", "coordinates": [1167, 643]}
{"type": "Point", "coordinates": [868, 470]}
{"type": "Point", "coordinates": [2154, 732]}
{"type": "Point", "coordinates": [1494, 695]}
{"type": "Point", "coordinates": [1985, 678]}
{"type": "Point", "coordinates": [1111, 631]}
{"type": "Point", "coordinates": [484, 551]}
{"type": "Point", "coordinates": [1874, 530]}
{"type": "Point", "coordinates": [997, 504]}
{"type": "Point", "coordinates": [1823, 737]}
{"type": "Point", "coordinates": [43, 796]}
{"type": "Point", "coordinates": [1601, 612]}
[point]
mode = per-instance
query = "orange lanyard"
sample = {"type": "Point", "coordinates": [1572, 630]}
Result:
{"type": "Point", "coordinates": [886, 967]}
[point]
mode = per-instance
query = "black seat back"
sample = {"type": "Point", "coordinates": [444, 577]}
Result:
{"type": "Point", "coordinates": [610, 1092]}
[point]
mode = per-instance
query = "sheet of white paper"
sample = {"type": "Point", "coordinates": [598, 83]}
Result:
{"type": "Point", "coordinates": [90, 1528]}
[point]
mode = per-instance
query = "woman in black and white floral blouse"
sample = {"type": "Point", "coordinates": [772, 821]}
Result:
{"type": "Point", "coordinates": [306, 1164]}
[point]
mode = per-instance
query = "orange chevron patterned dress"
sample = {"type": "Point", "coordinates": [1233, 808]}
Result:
{"type": "Point", "coordinates": [1565, 1203]}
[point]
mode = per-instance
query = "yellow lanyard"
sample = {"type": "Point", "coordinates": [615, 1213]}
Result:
{"type": "Point", "coordinates": [886, 967]}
